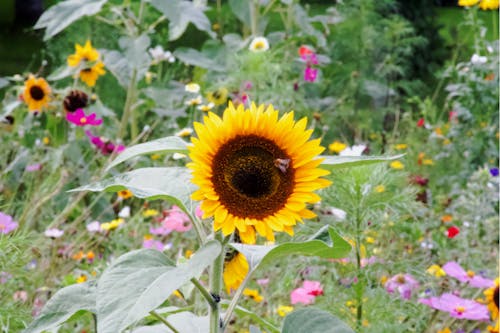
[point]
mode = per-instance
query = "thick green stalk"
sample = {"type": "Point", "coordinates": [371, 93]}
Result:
{"type": "Point", "coordinates": [359, 300]}
{"type": "Point", "coordinates": [216, 287]}
{"type": "Point", "coordinates": [128, 110]}
{"type": "Point", "coordinates": [254, 17]}
{"type": "Point", "coordinates": [164, 321]}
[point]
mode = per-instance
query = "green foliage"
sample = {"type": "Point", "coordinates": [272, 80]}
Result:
{"type": "Point", "coordinates": [313, 320]}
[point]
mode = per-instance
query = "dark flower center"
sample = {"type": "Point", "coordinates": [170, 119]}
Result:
{"type": "Point", "coordinates": [76, 99]}
{"type": "Point", "coordinates": [495, 296]}
{"type": "Point", "coordinates": [37, 93]}
{"type": "Point", "coordinates": [247, 178]}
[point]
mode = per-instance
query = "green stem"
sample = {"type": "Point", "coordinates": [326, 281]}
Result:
{"type": "Point", "coordinates": [254, 17]}
{"type": "Point", "coordinates": [359, 310]}
{"type": "Point", "coordinates": [234, 301]}
{"type": "Point", "coordinates": [216, 286]}
{"type": "Point", "coordinates": [205, 293]}
{"type": "Point", "coordinates": [220, 33]}
{"type": "Point", "coordinates": [198, 227]}
{"type": "Point", "coordinates": [127, 111]}
{"type": "Point", "coordinates": [164, 321]}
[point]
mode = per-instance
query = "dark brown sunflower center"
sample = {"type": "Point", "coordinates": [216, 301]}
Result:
{"type": "Point", "coordinates": [76, 99]}
{"type": "Point", "coordinates": [37, 93]}
{"type": "Point", "coordinates": [495, 296]}
{"type": "Point", "coordinates": [249, 181]}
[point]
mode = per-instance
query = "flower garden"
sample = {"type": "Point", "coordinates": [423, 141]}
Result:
{"type": "Point", "coordinates": [252, 166]}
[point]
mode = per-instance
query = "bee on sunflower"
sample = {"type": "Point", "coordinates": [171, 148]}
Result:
{"type": "Point", "coordinates": [36, 93]}
{"type": "Point", "coordinates": [218, 97]}
{"type": "Point", "coordinates": [87, 58]}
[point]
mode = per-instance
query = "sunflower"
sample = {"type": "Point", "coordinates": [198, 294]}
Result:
{"type": "Point", "coordinates": [36, 93]}
{"type": "Point", "coordinates": [218, 97]}
{"type": "Point", "coordinates": [85, 53]}
{"type": "Point", "coordinates": [255, 172]}
{"type": "Point", "coordinates": [89, 75]}
{"type": "Point", "coordinates": [489, 4]}
{"type": "Point", "coordinates": [235, 270]}
{"type": "Point", "coordinates": [492, 298]}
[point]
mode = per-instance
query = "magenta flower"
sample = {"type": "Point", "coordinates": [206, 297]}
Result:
{"type": "Point", "coordinates": [7, 224]}
{"type": "Point", "coordinates": [176, 220]}
{"type": "Point", "coordinates": [306, 294]}
{"type": "Point", "coordinates": [153, 244]}
{"type": "Point", "coordinates": [104, 145]}
{"type": "Point", "coordinates": [310, 74]}
{"type": "Point", "coordinates": [33, 167]}
{"type": "Point", "coordinates": [404, 284]}
{"type": "Point", "coordinates": [458, 307]}
{"type": "Point", "coordinates": [79, 118]}
{"type": "Point", "coordinates": [453, 269]}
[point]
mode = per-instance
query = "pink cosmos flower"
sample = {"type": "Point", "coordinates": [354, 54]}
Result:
{"type": "Point", "coordinates": [198, 212]}
{"type": "Point", "coordinates": [79, 118]}
{"type": "Point", "coordinates": [458, 307]}
{"type": "Point", "coordinates": [263, 282]}
{"type": "Point", "coordinates": [104, 145]}
{"type": "Point", "coordinates": [33, 167]}
{"type": "Point", "coordinates": [176, 220]}
{"type": "Point", "coordinates": [153, 244]}
{"type": "Point", "coordinates": [453, 269]}
{"type": "Point", "coordinates": [53, 233]}
{"type": "Point", "coordinates": [404, 284]}
{"type": "Point", "coordinates": [94, 226]}
{"type": "Point", "coordinates": [306, 294]}
{"type": "Point", "coordinates": [7, 224]}
{"type": "Point", "coordinates": [310, 74]}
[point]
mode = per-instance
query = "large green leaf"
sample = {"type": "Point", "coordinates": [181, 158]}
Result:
{"type": "Point", "coordinates": [334, 247]}
{"type": "Point", "coordinates": [65, 303]}
{"type": "Point", "coordinates": [172, 184]}
{"type": "Point", "coordinates": [169, 144]}
{"type": "Point", "coordinates": [58, 17]}
{"type": "Point", "coordinates": [196, 58]}
{"type": "Point", "coordinates": [140, 281]}
{"type": "Point", "coordinates": [243, 312]}
{"type": "Point", "coordinates": [184, 322]}
{"type": "Point", "coordinates": [180, 13]}
{"type": "Point", "coordinates": [312, 320]}
{"type": "Point", "coordinates": [337, 162]}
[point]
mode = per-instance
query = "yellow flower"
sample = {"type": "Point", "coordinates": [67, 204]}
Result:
{"type": "Point", "coordinates": [380, 188]}
{"type": "Point", "coordinates": [218, 97]}
{"type": "Point", "coordinates": [489, 4]}
{"type": "Point", "coordinates": [46, 140]}
{"type": "Point", "coordinates": [155, 157]}
{"type": "Point", "coordinates": [370, 240]}
{"type": "Point", "coordinates": [85, 53]}
{"type": "Point", "coordinates": [259, 44]}
{"type": "Point", "coordinates": [444, 330]}
{"type": "Point", "coordinates": [255, 172]}
{"type": "Point", "coordinates": [492, 299]}
{"type": "Point", "coordinates": [283, 310]}
{"type": "Point", "coordinates": [401, 146]}
{"type": "Point", "coordinates": [446, 142]}
{"type": "Point", "coordinates": [436, 270]}
{"type": "Point", "coordinates": [438, 131]}
{"type": "Point", "coordinates": [253, 294]}
{"type": "Point", "coordinates": [235, 270]}
{"type": "Point", "coordinates": [81, 279]}
{"type": "Point", "coordinates": [112, 225]}
{"type": "Point", "coordinates": [184, 132]}
{"type": "Point", "coordinates": [90, 75]}
{"type": "Point", "coordinates": [150, 213]}
{"type": "Point", "coordinates": [177, 294]}
{"type": "Point", "coordinates": [125, 194]}
{"type": "Point", "coordinates": [337, 146]}
{"type": "Point", "coordinates": [36, 93]}
{"type": "Point", "coordinates": [192, 87]}
{"type": "Point", "coordinates": [446, 218]}
{"type": "Point", "coordinates": [397, 165]}
{"type": "Point", "coordinates": [428, 161]}
{"type": "Point", "coordinates": [188, 254]}
{"type": "Point", "coordinates": [206, 107]}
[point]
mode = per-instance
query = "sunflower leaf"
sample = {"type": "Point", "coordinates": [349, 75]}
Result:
{"type": "Point", "coordinates": [169, 145]}
{"type": "Point", "coordinates": [259, 255]}
{"type": "Point", "coordinates": [172, 184]}
{"type": "Point", "coordinates": [313, 320]}
{"type": "Point", "coordinates": [337, 162]}
{"type": "Point", "coordinates": [140, 281]}
{"type": "Point", "coordinates": [244, 312]}
{"type": "Point", "coordinates": [58, 17]}
{"type": "Point", "coordinates": [63, 305]}
{"type": "Point", "coordinates": [194, 57]}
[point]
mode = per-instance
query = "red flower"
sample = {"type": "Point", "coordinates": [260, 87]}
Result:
{"type": "Point", "coordinates": [419, 180]}
{"type": "Point", "coordinates": [453, 232]}
{"type": "Point", "coordinates": [420, 122]}
{"type": "Point", "coordinates": [305, 51]}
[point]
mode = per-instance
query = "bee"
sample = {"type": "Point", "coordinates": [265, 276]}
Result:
{"type": "Point", "coordinates": [282, 164]}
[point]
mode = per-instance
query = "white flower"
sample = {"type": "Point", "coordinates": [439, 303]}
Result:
{"type": "Point", "coordinates": [193, 101]}
{"type": "Point", "coordinates": [355, 150]}
{"type": "Point", "coordinates": [125, 212]}
{"type": "Point", "coordinates": [184, 132]}
{"type": "Point", "coordinates": [53, 233]}
{"type": "Point", "coordinates": [259, 44]}
{"type": "Point", "coordinates": [478, 60]}
{"type": "Point", "coordinates": [178, 156]}
{"type": "Point", "coordinates": [159, 54]}
{"type": "Point", "coordinates": [94, 226]}
{"type": "Point", "coordinates": [192, 88]}
{"type": "Point", "coordinates": [206, 107]}
{"type": "Point", "coordinates": [338, 213]}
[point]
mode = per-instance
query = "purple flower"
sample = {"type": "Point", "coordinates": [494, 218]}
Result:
{"type": "Point", "coordinates": [453, 269]}
{"type": "Point", "coordinates": [33, 167]}
{"type": "Point", "coordinates": [4, 277]}
{"type": "Point", "coordinates": [457, 307]}
{"type": "Point", "coordinates": [104, 145]}
{"type": "Point", "coordinates": [161, 230]}
{"type": "Point", "coordinates": [53, 233]}
{"type": "Point", "coordinates": [494, 172]}
{"type": "Point", "coordinates": [310, 74]}
{"type": "Point", "coordinates": [404, 284]}
{"type": "Point", "coordinates": [7, 224]}
{"type": "Point", "coordinates": [150, 243]}
{"type": "Point", "coordinates": [79, 118]}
